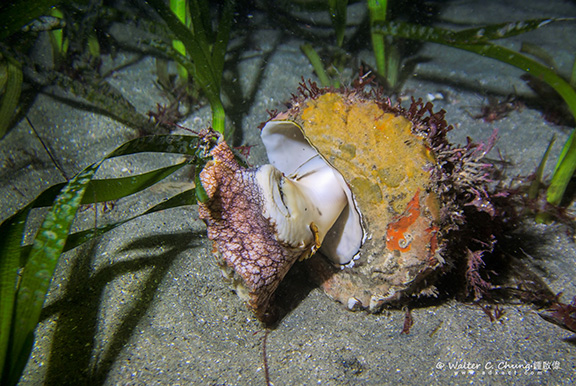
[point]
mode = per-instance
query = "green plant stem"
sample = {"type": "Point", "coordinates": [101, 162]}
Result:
{"type": "Point", "coordinates": [564, 171]}
{"type": "Point", "coordinates": [201, 66]}
{"type": "Point", "coordinates": [218, 116]}
{"type": "Point", "coordinates": [377, 11]}
{"type": "Point", "coordinates": [58, 41]}
{"type": "Point", "coordinates": [535, 185]}
{"type": "Point", "coordinates": [317, 64]}
{"type": "Point", "coordinates": [337, 10]}
{"type": "Point", "coordinates": [10, 238]}
{"type": "Point", "coordinates": [222, 37]}
{"type": "Point", "coordinates": [393, 64]}
{"type": "Point", "coordinates": [11, 96]}
{"type": "Point", "coordinates": [573, 75]}
{"type": "Point", "coordinates": [179, 8]}
{"type": "Point", "coordinates": [93, 45]}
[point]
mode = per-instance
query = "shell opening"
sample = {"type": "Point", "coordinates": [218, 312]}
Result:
{"type": "Point", "coordinates": [302, 182]}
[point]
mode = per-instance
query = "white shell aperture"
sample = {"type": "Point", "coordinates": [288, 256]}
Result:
{"type": "Point", "coordinates": [340, 227]}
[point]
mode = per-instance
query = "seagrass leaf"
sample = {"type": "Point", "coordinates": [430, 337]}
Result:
{"type": "Point", "coordinates": [52, 238]}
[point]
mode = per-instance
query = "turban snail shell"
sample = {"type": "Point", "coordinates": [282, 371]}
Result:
{"type": "Point", "coordinates": [374, 188]}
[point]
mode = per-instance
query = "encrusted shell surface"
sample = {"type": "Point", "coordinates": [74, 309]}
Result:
{"type": "Point", "coordinates": [388, 166]}
{"type": "Point", "coordinates": [371, 195]}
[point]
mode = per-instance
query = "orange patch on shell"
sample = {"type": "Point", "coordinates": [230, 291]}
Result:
{"type": "Point", "coordinates": [398, 237]}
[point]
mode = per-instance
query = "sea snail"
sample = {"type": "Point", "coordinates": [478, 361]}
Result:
{"type": "Point", "coordinates": [374, 188]}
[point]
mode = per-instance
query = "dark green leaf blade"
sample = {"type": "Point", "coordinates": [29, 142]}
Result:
{"type": "Point", "coordinates": [38, 271]}
{"type": "Point", "coordinates": [337, 9]}
{"type": "Point", "coordinates": [378, 12]}
{"type": "Point", "coordinates": [534, 187]}
{"type": "Point", "coordinates": [500, 31]}
{"type": "Point", "coordinates": [563, 174]}
{"type": "Point", "coordinates": [201, 194]}
{"type": "Point", "coordinates": [114, 188]}
{"type": "Point", "coordinates": [51, 238]}
{"type": "Point", "coordinates": [503, 54]}
{"type": "Point", "coordinates": [185, 198]}
{"type": "Point", "coordinates": [108, 190]}
{"type": "Point", "coordinates": [177, 144]}
{"type": "Point", "coordinates": [414, 31]}
{"type": "Point", "coordinates": [203, 68]}
{"type": "Point", "coordinates": [10, 240]}
{"type": "Point", "coordinates": [11, 96]}
{"type": "Point", "coordinates": [222, 36]}
{"type": "Point", "coordinates": [317, 64]}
